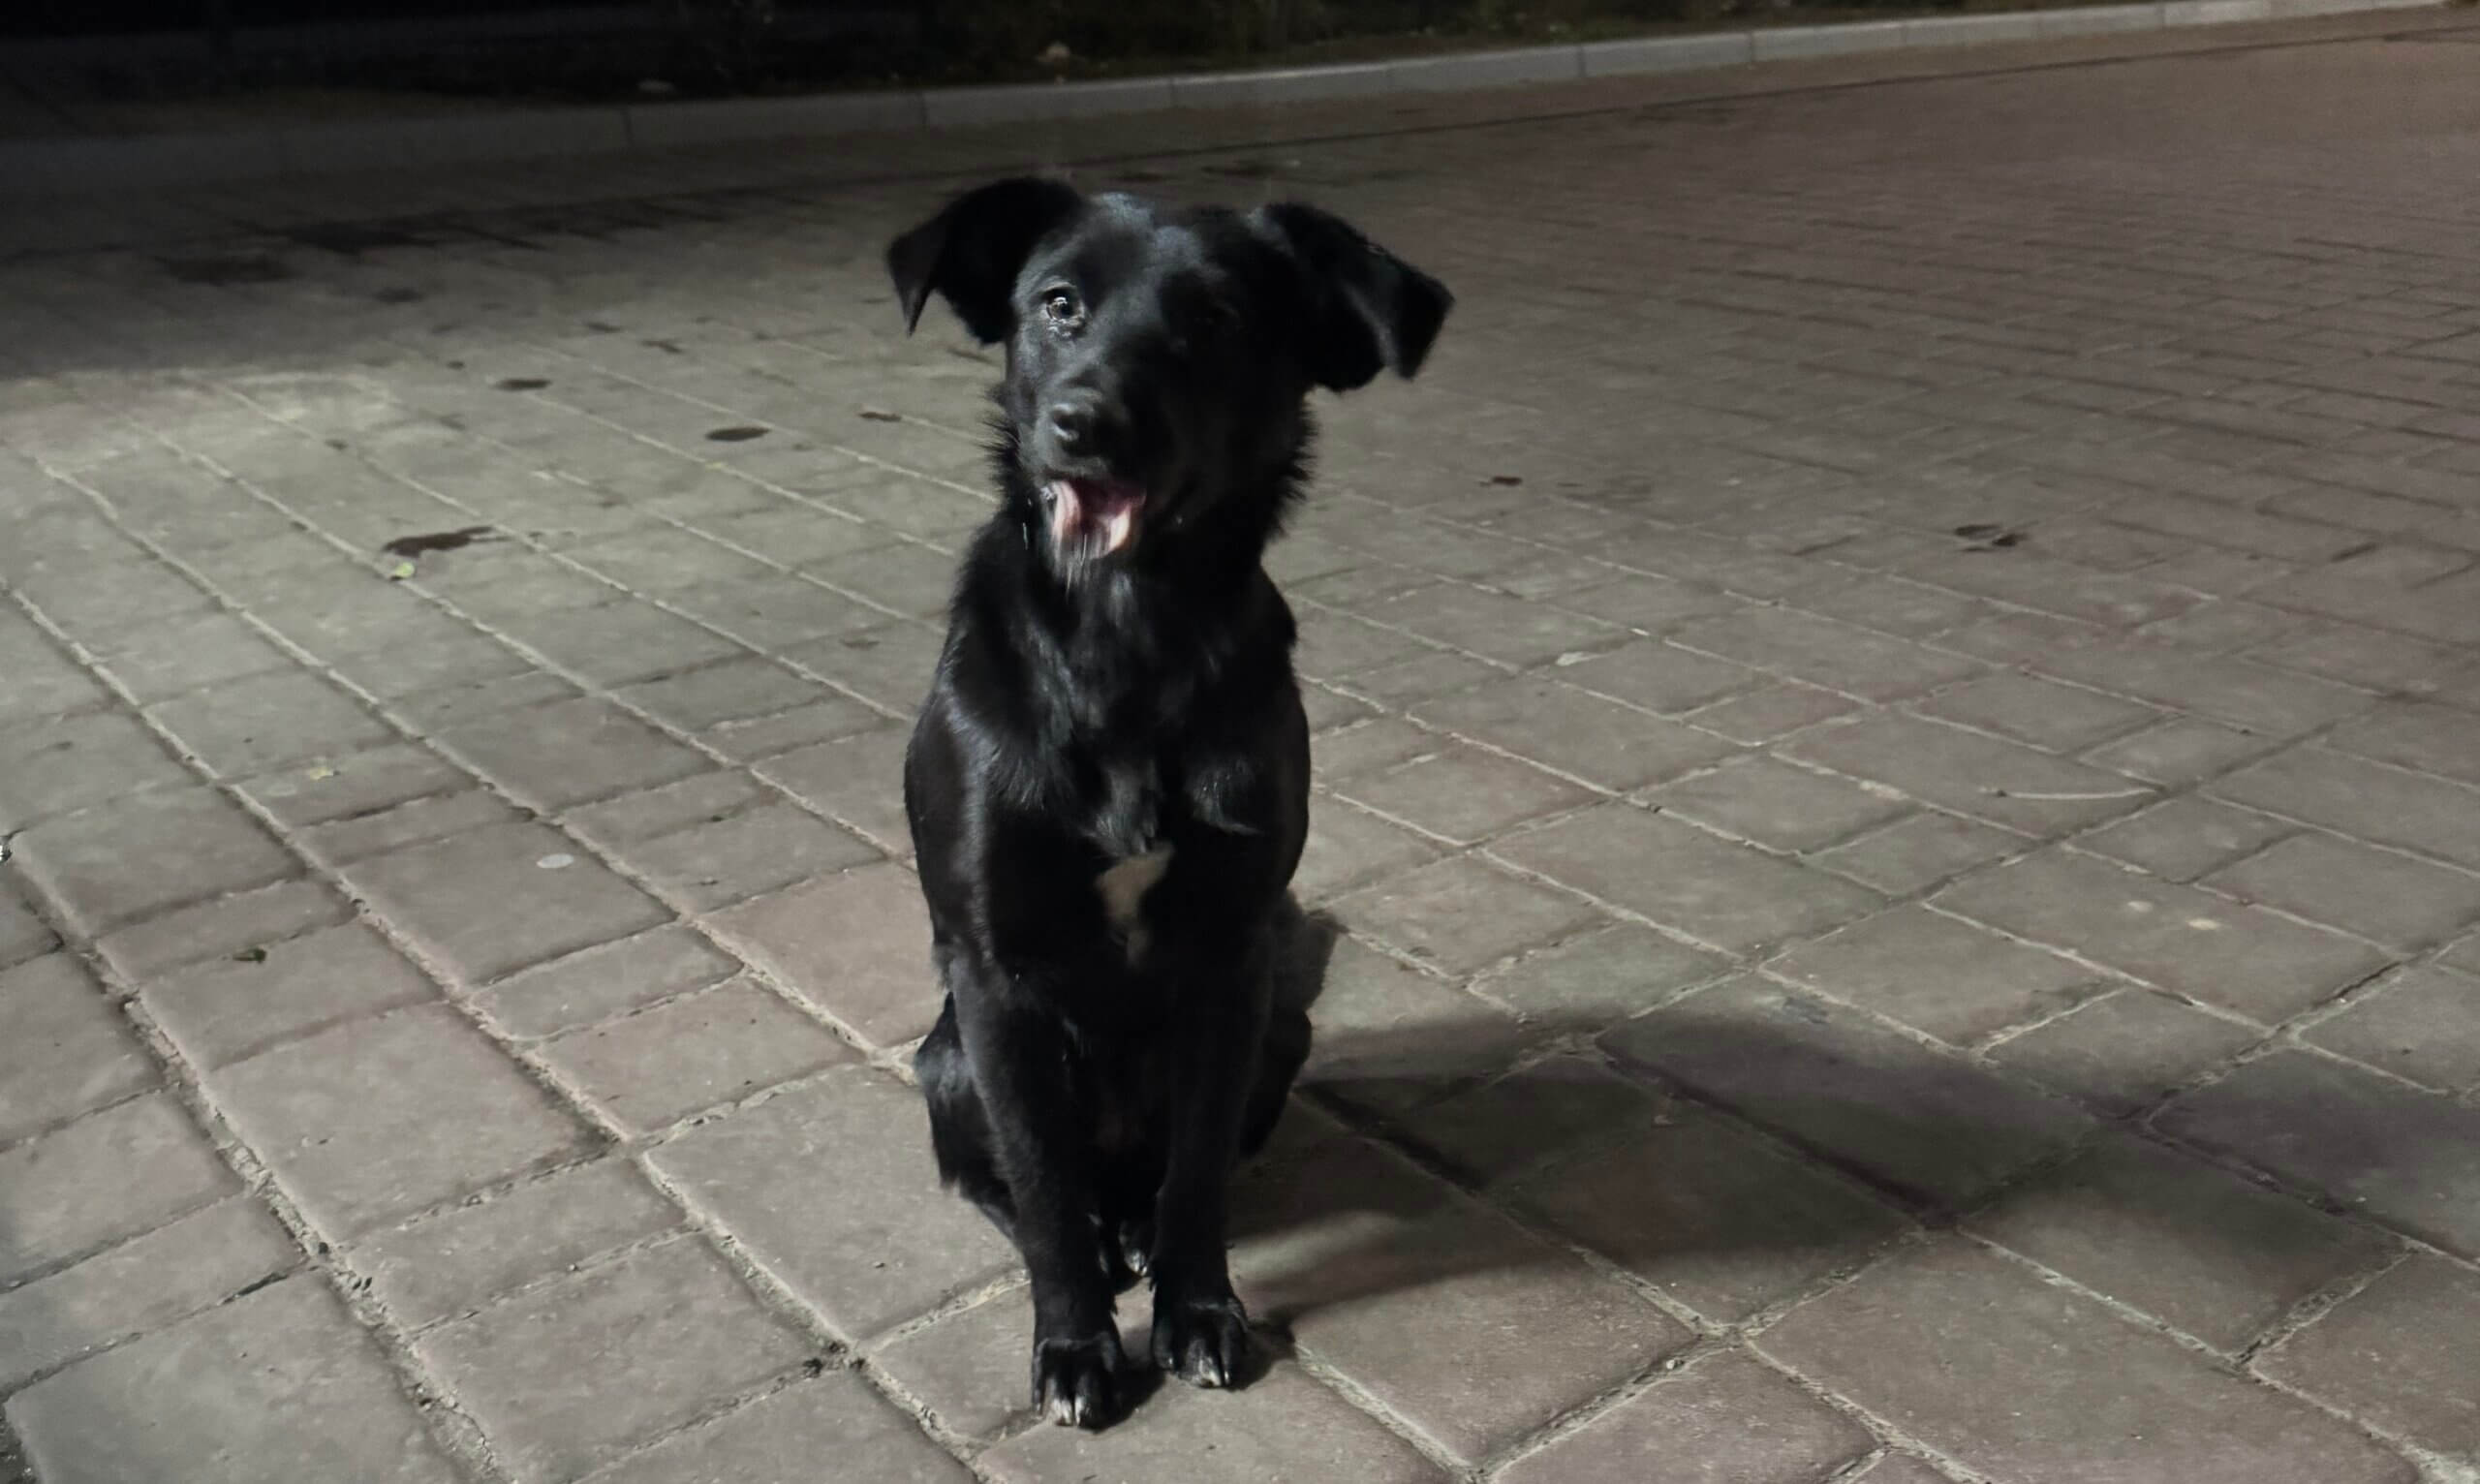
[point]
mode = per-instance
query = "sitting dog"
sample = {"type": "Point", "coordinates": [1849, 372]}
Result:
{"type": "Point", "coordinates": [1108, 786]}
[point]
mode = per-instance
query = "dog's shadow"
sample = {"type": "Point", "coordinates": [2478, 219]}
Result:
{"type": "Point", "coordinates": [1414, 1156]}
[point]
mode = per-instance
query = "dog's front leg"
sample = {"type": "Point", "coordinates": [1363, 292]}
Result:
{"type": "Point", "coordinates": [1019, 1059]}
{"type": "Point", "coordinates": [1200, 1332]}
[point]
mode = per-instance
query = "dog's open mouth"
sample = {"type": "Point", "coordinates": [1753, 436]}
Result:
{"type": "Point", "coordinates": [1093, 517]}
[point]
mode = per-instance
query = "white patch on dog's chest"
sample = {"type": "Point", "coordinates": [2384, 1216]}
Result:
{"type": "Point", "coordinates": [1122, 888]}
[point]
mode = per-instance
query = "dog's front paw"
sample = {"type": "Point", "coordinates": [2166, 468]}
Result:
{"type": "Point", "coordinates": [1203, 1342]}
{"type": "Point", "coordinates": [1077, 1381]}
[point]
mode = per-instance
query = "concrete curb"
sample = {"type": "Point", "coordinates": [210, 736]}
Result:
{"type": "Point", "coordinates": [102, 164]}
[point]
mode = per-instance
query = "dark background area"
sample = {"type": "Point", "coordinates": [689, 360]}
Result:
{"type": "Point", "coordinates": [642, 49]}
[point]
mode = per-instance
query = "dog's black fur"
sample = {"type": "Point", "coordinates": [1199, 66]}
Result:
{"type": "Point", "coordinates": [1116, 698]}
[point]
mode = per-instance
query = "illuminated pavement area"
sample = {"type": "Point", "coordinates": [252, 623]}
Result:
{"type": "Point", "coordinates": [1899, 762]}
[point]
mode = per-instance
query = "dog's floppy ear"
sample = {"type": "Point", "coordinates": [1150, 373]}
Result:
{"type": "Point", "coordinates": [971, 251]}
{"type": "Point", "coordinates": [1368, 309]}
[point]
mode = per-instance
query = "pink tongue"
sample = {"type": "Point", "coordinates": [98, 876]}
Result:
{"type": "Point", "coordinates": [1095, 515]}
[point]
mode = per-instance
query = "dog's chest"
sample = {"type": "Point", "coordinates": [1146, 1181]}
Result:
{"type": "Point", "coordinates": [1123, 887]}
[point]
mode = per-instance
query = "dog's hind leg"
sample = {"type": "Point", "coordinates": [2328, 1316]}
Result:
{"type": "Point", "coordinates": [959, 1125]}
{"type": "Point", "coordinates": [1280, 1058]}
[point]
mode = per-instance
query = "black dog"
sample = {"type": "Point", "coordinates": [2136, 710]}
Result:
{"type": "Point", "coordinates": [1108, 786]}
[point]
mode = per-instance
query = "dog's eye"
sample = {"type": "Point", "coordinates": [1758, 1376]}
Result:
{"type": "Point", "coordinates": [1061, 307]}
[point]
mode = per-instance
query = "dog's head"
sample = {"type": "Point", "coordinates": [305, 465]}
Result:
{"type": "Point", "coordinates": [1159, 359]}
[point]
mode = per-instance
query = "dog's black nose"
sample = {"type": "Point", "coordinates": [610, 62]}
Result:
{"type": "Point", "coordinates": [1071, 423]}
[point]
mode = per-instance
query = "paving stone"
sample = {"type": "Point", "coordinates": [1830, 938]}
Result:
{"type": "Point", "coordinates": [229, 1009]}
{"type": "Point", "coordinates": [764, 736]}
{"type": "Point", "coordinates": [455, 1261]}
{"type": "Point", "coordinates": [1548, 1109]}
{"type": "Point", "coordinates": [1462, 793]}
{"type": "Point", "coordinates": [2185, 837]}
{"type": "Point", "coordinates": [1371, 746]}
{"type": "Point", "coordinates": [2431, 738]}
{"type": "Point", "coordinates": [1934, 973]}
{"type": "Point", "coordinates": [648, 1069]}
{"type": "Point", "coordinates": [1725, 1420]}
{"type": "Point", "coordinates": [23, 933]}
{"type": "Point", "coordinates": [2364, 800]}
{"type": "Point", "coordinates": [1728, 895]}
{"type": "Point", "coordinates": [889, 665]}
{"type": "Point", "coordinates": [1348, 845]}
{"type": "Point", "coordinates": [605, 981]}
{"type": "Point", "coordinates": [2422, 1024]}
{"type": "Point", "coordinates": [1493, 625]}
{"type": "Point", "coordinates": [58, 764]}
{"type": "Point", "coordinates": [744, 686]}
{"type": "Point", "coordinates": [1562, 728]}
{"type": "Point", "coordinates": [1889, 605]}
{"type": "Point", "coordinates": [2397, 900]}
{"type": "Point", "coordinates": [1970, 774]}
{"type": "Point", "coordinates": [342, 842]}
{"type": "Point", "coordinates": [666, 809]}
{"type": "Point", "coordinates": [1383, 1277]}
{"type": "Point", "coordinates": [2061, 717]}
{"type": "Point", "coordinates": [1461, 915]}
{"type": "Point", "coordinates": [1930, 1126]}
{"type": "Point", "coordinates": [2183, 750]}
{"type": "Point", "coordinates": [2400, 1353]}
{"type": "Point", "coordinates": [2014, 1377]}
{"type": "Point", "coordinates": [2203, 1251]}
{"type": "Point", "coordinates": [144, 1283]}
{"type": "Point", "coordinates": [1824, 653]}
{"type": "Point", "coordinates": [968, 1370]}
{"type": "Point", "coordinates": [354, 784]}
{"type": "Point", "coordinates": [278, 1384]}
{"type": "Point", "coordinates": [251, 724]}
{"type": "Point", "coordinates": [1898, 1469]}
{"type": "Point", "coordinates": [64, 1048]}
{"type": "Point", "coordinates": [1775, 804]}
{"type": "Point", "coordinates": [856, 781]}
{"type": "Point", "coordinates": [2408, 1159]}
{"type": "Point", "coordinates": [226, 926]}
{"type": "Point", "coordinates": [663, 559]}
{"type": "Point", "coordinates": [776, 612]}
{"type": "Point", "coordinates": [42, 682]}
{"type": "Point", "coordinates": [857, 946]}
{"type": "Point", "coordinates": [1920, 852]}
{"type": "Point", "coordinates": [1646, 603]}
{"type": "Point", "coordinates": [1589, 982]}
{"type": "Point", "coordinates": [135, 857]}
{"type": "Point", "coordinates": [52, 1208]}
{"type": "Point", "coordinates": [2239, 958]}
{"type": "Point", "coordinates": [2237, 692]}
{"type": "Point", "coordinates": [377, 1119]}
{"type": "Point", "coordinates": [2125, 1051]}
{"type": "Point", "coordinates": [93, 600]}
{"type": "Point", "coordinates": [569, 752]}
{"type": "Point", "coordinates": [787, 1435]}
{"type": "Point", "coordinates": [736, 857]}
{"type": "Point", "coordinates": [1719, 1218]}
{"type": "Point", "coordinates": [443, 671]}
{"type": "Point", "coordinates": [1772, 712]}
{"type": "Point", "coordinates": [831, 1189]}
{"type": "Point", "coordinates": [1388, 1036]}
{"type": "Point", "coordinates": [496, 900]}
{"type": "Point", "coordinates": [1660, 677]}
{"type": "Point", "coordinates": [914, 580]}
{"type": "Point", "coordinates": [1285, 1426]}
{"type": "Point", "coordinates": [565, 1375]}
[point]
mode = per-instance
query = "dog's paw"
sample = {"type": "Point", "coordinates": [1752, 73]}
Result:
{"type": "Point", "coordinates": [1135, 1243]}
{"type": "Point", "coordinates": [1077, 1381]}
{"type": "Point", "coordinates": [1205, 1342]}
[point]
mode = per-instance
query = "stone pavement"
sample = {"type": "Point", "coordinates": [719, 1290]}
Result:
{"type": "Point", "coordinates": [1900, 765]}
